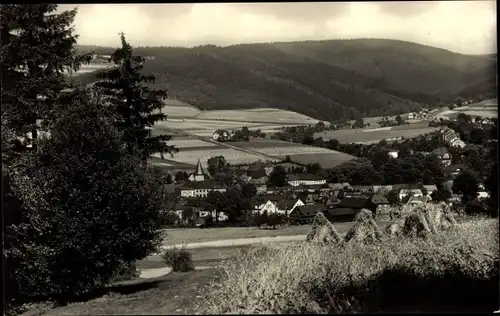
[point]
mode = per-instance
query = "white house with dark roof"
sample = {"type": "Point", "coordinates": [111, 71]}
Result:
{"type": "Point", "coordinates": [296, 180]}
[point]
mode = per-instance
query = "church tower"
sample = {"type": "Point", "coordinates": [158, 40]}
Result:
{"type": "Point", "coordinates": [198, 175]}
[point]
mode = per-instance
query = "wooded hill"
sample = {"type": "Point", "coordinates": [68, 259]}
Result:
{"type": "Point", "coordinates": [329, 80]}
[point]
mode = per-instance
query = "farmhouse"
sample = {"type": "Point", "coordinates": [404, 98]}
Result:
{"type": "Point", "coordinates": [305, 214]}
{"type": "Point", "coordinates": [266, 203]}
{"type": "Point", "coordinates": [221, 135]}
{"type": "Point", "coordinates": [305, 179]}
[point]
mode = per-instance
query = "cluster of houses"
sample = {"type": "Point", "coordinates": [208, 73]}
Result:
{"type": "Point", "coordinates": [305, 195]}
{"type": "Point", "coordinates": [422, 114]}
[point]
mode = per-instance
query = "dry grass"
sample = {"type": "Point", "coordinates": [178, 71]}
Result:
{"type": "Point", "coordinates": [456, 269]}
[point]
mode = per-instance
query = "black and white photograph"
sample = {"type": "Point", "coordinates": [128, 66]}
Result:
{"type": "Point", "coordinates": [249, 158]}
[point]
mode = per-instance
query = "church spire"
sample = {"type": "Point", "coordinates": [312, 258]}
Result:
{"type": "Point", "coordinates": [199, 169]}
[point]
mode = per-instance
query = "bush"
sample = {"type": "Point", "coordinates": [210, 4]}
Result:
{"type": "Point", "coordinates": [79, 207]}
{"type": "Point", "coordinates": [179, 259]}
{"type": "Point", "coordinates": [126, 271]}
{"type": "Point", "coordinates": [454, 271]}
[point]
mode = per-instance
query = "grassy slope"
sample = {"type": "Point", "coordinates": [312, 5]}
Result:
{"type": "Point", "coordinates": [322, 79]}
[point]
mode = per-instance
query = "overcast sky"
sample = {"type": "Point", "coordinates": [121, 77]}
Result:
{"type": "Point", "coordinates": [467, 27]}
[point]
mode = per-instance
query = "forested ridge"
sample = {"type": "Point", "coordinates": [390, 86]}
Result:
{"type": "Point", "coordinates": [332, 79]}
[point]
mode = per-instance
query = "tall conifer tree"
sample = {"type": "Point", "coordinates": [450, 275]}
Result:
{"type": "Point", "coordinates": [138, 105]}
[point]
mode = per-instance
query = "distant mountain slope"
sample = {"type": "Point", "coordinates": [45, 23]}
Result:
{"type": "Point", "coordinates": [323, 79]}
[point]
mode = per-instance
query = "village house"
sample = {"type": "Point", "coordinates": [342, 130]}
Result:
{"type": "Point", "coordinates": [363, 188]}
{"type": "Point", "coordinates": [306, 213]}
{"type": "Point", "coordinates": [458, 143]}
{"type": "Point", "coordinates": [417, 200]}
{"type": "Point", "coordinates": [287, 206]}
{"type": "Point", "coordinates": [344, 186]}
{"type": "Point", "coordinates": [296, 180]}
{"type": "Point", "coordinates": [380, 202]}
{"type": "Point", "coordinates": [444, 155]}
{"type": "Point", "coordinates": [405, 190]}
{"type": "Point", "coordinates": [221, 135]}
{"type": "Point", "coordinates": [266, 203]}
{"type": "Point", "coordinates": [307, 197]}
{"type": "Point", "coordinates": [199, 189]}
{"type": "Point", "coordinates": [382, 189]}
{"type": "Point", "coordinates": [332, 202]}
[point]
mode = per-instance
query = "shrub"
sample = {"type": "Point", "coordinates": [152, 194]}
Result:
{"type": "Point", "coordinates": [179, 259]}
{"type": "Point", "coordinates": [126, 271]}
{"type": "Point", "coordinates": [452, 271]}
{"type": "Point", "coordinates": [82, 206]}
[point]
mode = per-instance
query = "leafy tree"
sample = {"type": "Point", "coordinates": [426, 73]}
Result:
{"type": "Point", "coordinates": [278, 177]}
{"type": "Point", "coordinates": [87, 206]}
{"type": "Point", "coordinates": [441, 194]}
{"type": "Point", "coordinates": [218, 202]}
{"type": "Point", "coordinates": [187, 213]}
{"type": "Point", "coordinates": [248, 190]}
{"type": "Point", "coordinates": [359, 123]}
{"type": "Point", "coordinates": [313, 168]}
{"type": "Point", "coordinates": [393, 197]}
{"type": "Point", "coordinates": [169, 178]}
{"type": "Point", "coordinates": [216, 164]}
{"type": "Point", "coordinates": [138, 105]}
{"type": "Point", "coordinates": [181, 176]}
{"type": "Point", "coordinates": [466, 184]}
{"type": "Point", "coordinates": [392, 172]}
{"type": "Point", "coordinates": [399, 120]}
{"type": "Point", "coordinates": [275, 219]}
{"type": "Point", "coordinates": [37, 47]}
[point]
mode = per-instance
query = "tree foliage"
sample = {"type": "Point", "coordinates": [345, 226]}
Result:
{"type": "Point", "coordinates": [37, 48]}
{"type": "Point", "coordinates": [86, 205]}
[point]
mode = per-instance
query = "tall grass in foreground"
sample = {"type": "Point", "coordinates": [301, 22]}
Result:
{"type": "Point", "coordinates": [453, 271]}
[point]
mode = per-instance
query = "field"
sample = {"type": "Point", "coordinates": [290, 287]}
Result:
{"type": "Point", "coordinates": [369, 135]}
{"type": "Point", "coordinates": [233, 156]}
{"type": "Point", "coordinates": [192, 148]}
{"type": "Point", "coordinates": [302, 154]}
